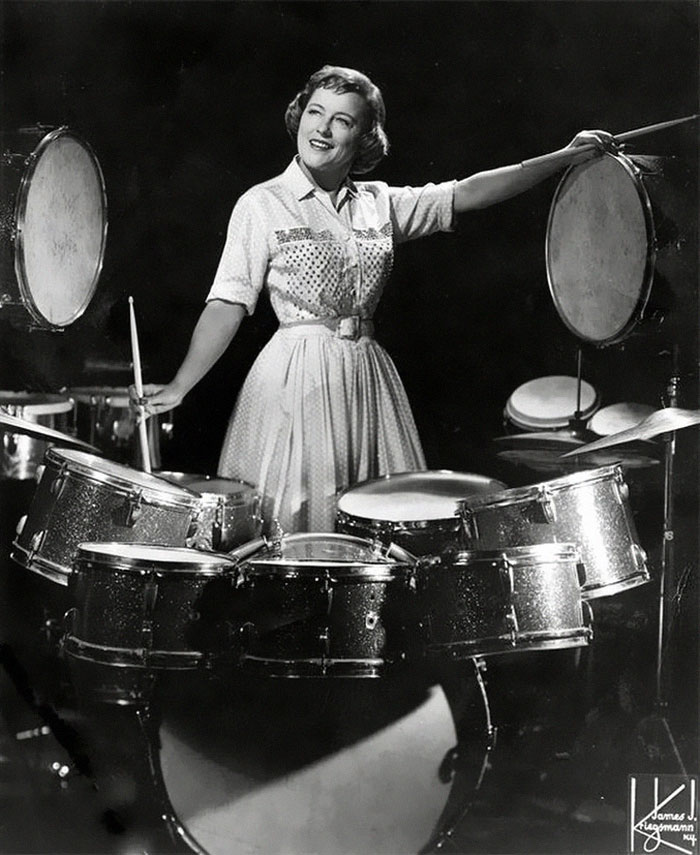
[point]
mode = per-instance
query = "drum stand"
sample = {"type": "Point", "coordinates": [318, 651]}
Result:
{"type": "Point", "coordinates": [456, 760]}
{"type": "Point", "coordinates": [655, 728]}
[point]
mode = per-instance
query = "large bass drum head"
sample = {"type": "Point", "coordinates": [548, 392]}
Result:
{"type": "Point", "coordinates": [600, 249]}
{"type": "Point", "coordinates": [61, 218]}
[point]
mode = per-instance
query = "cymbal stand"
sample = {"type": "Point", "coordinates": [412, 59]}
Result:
{"type": "Point", "coordinates": [658, 719]}
{"type": "Point", "coordinates": [576, 423]}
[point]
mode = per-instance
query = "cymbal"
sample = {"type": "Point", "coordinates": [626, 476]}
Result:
{"type": "Point", "coordinates": [547, 451]}
{"type": "Point", "coordinates": [13, 424]}
{"type": "Point", "coordinates": [659, 422]}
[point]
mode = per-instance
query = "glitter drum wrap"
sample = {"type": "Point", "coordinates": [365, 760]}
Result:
{"type": "Point", "coordinates": [328, 605]}
{"type": "Point", "coordinates": [141, 609]}
{"type": "Point", "coordinates": [480, 603]}
{"type": "Point", "coordinates": [590, 509]}
{"type": "Point", "coordinates": [81, 497]}
{"type": "Point", "coordinates": [416, 510]}
{"type": "Point", "coordinates": [229, 510]}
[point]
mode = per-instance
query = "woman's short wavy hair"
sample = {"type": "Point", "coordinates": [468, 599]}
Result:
{"type": "Point", "coordinates": [374, 144]}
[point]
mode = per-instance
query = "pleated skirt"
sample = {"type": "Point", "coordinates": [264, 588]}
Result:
{"type": "Point", "coordinates": [318, 413]}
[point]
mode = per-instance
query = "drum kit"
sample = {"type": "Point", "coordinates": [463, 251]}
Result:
{"type": "Point", "coordinates": [167, 572]}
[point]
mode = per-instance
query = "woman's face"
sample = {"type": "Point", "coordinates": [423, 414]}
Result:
{"type": "Point", "coordinates": [330, 129]}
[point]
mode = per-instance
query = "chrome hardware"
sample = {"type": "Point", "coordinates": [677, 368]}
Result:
{"type": "Point", "coordinates": [21, 522]}
{"type": "Point", "coordinates": [371, 620]}
{"type": "Point", "coordinates": [134, 508]}
{"type": "Point", "coordinates": [469, 524]}
{"type": "Point", "coordinates": [276, 535]}
{"type": "Point", "coordinates": [620, 488]}
{"type": "Point", "coordinates": [57, 485]}
{"type": "Point", "coordinates": [546, 503]}
{"type": "Point", "coordinates": [639, 557]}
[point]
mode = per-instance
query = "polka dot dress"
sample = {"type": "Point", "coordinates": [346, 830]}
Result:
{"type": "Point", "coordinates": [323, 406]}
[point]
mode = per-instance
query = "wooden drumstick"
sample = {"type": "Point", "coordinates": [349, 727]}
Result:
{"type": "Point", "coordinates": [563, 153]}
{"type": "Point", "coordinates": [136, 357]}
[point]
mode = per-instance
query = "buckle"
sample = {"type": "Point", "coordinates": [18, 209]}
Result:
{"type": "Point", "coordinates": [349, 327]}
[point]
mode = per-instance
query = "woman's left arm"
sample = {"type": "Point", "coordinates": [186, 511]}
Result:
{"type": "Point", "coordinates": [495, 185]}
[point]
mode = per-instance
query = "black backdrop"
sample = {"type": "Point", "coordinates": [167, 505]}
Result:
{"type": "Point", "coordinates": [183, 104]}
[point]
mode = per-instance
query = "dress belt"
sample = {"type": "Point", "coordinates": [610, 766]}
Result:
{"type": "Point", "coordinates": [349, 326]}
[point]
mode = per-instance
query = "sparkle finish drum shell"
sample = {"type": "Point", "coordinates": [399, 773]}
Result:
{"type": "Point", "coordinates": [590, 509]}
{"type": "Point", "coordinates": [81, 497]}
{"type": "Point", "coordinates": [328, 605]}
{"type": "Point", "coordinates": [481, 603]}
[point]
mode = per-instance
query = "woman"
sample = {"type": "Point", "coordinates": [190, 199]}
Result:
{"type": "Point", "coordinates": [323, 407]}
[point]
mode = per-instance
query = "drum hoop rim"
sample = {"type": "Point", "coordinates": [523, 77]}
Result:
{"type": "Point", "coordinates": [516, 554]}
{"type": "Point", "coordinates": [589, 476]}
{"type": "Point", "coordinates": [238, 498]}
{"type": "Point", "coordinates": [648, 275]}
{"type": "Point", "coordinates": [383, 478]}
{"type": "Point", "coordinates": [382, 525]}
{"type": "Point", "coordinates": [360, 571]}
{"type": "Point", "coordinates": [214, 565]}
{"type": "Point", "coordinates": [20, 214]}
{"type": "Point", "coordinates": [189, 500]}
{"type": "Point", "coordinates": [46, 409]}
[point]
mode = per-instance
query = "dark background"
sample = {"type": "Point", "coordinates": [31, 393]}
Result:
{"type": "Point", "coordinates": [183, 104]}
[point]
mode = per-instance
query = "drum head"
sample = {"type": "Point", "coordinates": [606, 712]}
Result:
{"type": "Point", "coordinates": [619, 417]}
{"type": "Point", "coordinates": [547, 403]}
{"type": "Point", "coordinates": [61, 216]}
{"type": "Point", "coordinates": [411, 496]}
{"type": "Point", "coordinates": [598, 249]}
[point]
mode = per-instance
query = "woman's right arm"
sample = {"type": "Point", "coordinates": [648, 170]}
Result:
{"type": "Point", "coordinates": [214, 331]}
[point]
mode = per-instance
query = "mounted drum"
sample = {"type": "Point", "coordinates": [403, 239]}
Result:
{"type": "Point", "coordinates": [53, 226]}
{"type": "Point", "coordinates": [621, 245]}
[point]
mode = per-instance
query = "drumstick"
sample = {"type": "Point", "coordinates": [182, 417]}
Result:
{"type": "Point", "coordinates": [562, 153]}
{"type": "Point", "coordinates": [136, 357]}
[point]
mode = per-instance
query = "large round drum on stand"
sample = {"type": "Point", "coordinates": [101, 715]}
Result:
{"type": "Point", "coordinates": [621, 244]}
{"type": "Point", "coordinates": [53, 226]}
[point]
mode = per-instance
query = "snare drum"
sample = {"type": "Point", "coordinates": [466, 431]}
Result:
{"type": "Point", "coordinates": [480, 603]}
{"type": "Point", "coordinates": [590, 509]}
{"type": "Point", "coordinates": [22, 454]}
{"type": "Point", "coordinates": [416, 510]}
{"type": "Point", "coordinates": [142, 609]}
{"type": "Point", "coordinates": [105, 419]}
{"type": "Point", "coordinates": [53, 227]}
{"type": "Point", "coordinates": [328, 605]}
{"type": "Point", "coordinates": [229, 513]}
{"type": "Point", "coordinates": [81, 497]}
{"type": "Point", "coordinates": [549, 403]}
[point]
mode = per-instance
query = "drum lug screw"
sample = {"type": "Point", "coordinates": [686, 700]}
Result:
{"type": "Point", "coordinates": [371, 620]}
{"type": "Point", "coordinates": [544, 498]}
{"type": "Point", "coordinates": [133, 509]}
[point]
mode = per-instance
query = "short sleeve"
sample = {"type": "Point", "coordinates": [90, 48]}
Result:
{"type": "Point", "coordinates": [243, 264]}
{"type": "Point", "coordinates": [421, 211]}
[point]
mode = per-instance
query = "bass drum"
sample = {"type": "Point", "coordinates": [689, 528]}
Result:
{"type": "Point", "coordinates": [619, 228]}
{"type": "Point", "coordinates": [294, 767]}
{"type": "Point", "coordinates": [53, 226]}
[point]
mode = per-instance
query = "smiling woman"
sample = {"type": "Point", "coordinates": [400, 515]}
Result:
{"type": "Point", "coordinates": [323, 407]}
